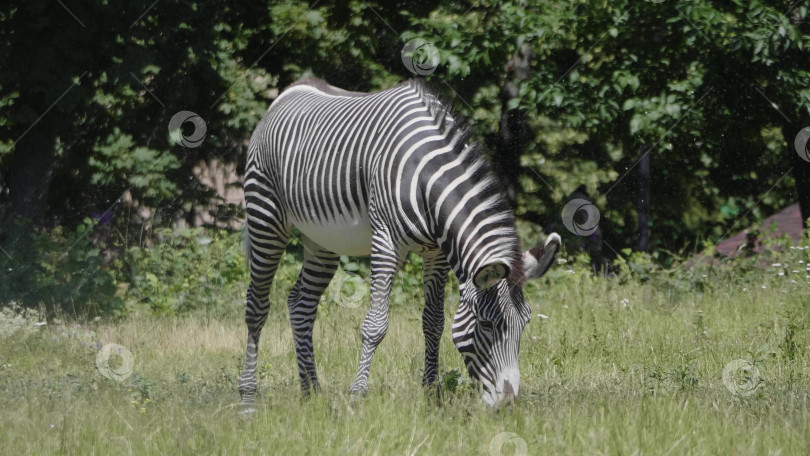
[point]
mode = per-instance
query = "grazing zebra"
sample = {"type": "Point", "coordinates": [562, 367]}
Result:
{"type": "Point", "coordinates": [384, 174]}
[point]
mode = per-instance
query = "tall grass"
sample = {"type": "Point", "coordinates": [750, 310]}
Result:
{"type": "Point", "coordinates": [619, 366]}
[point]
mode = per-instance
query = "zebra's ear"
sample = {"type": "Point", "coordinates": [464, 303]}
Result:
{"type": "Point", "coordinates": [539, 259]}
{"type": "Point", "coordinates": [490, 274]}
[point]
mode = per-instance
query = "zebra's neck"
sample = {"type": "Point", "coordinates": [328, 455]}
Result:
{"type": "Point", "coordinates": [471, 220]}
{"type": "Point", "coordinates": [467, 210]}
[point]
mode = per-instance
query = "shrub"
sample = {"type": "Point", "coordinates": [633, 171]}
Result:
{"type": "Point", "coordinates": [58, 268]}
{"type": "Point", "coordinates": [188, 269]}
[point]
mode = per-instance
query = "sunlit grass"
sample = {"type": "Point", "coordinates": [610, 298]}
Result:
{"type": "Point", "coordinates": [605, 373]}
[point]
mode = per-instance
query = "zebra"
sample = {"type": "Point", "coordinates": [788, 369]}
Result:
{"type": "Point", "coordinates": [383, 174]}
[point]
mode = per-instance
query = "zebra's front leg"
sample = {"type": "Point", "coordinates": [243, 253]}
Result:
{"type": "Point", "coordinates": [434, 271]}
{"type": "Point", "coordinates": [316, 273]}
{"type": "Point", "coordinates": [385, 261]}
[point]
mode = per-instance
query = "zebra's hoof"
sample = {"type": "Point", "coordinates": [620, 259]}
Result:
{"type": "Point", "coordinates": [358, 391]}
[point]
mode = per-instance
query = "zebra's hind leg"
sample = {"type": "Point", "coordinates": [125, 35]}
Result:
{"type": "Point", "coordinates": [267, 239]}
{"type": "Point", "coordinates": [434, 271]}
{"type": "Point", "coordinates": [385, 261]}
{"type": "Point", "coordinates": [316, 273]}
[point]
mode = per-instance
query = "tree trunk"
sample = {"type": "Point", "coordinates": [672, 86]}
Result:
{"type": "Point", "coordinates": [513, 129]}
{"type": "Point", "coordinates": [29, 175]}
{"type": "Point", "coordinates": [644, 202]}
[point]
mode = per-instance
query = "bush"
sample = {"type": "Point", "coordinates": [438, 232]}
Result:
{"type": "Point", "coordinates": [60, 269]}
{"type": "Point", "coordinates": [188, 269]}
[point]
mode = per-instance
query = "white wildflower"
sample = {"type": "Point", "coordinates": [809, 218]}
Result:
{"type": "Point", "coordinates": [15, 318]}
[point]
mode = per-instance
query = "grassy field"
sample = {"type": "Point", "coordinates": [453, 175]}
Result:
{"type": "Point", "coordinates": [719, 367]}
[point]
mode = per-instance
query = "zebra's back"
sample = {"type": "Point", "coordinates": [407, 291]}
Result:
{"type": "Point", "coordinates": [318, 147]}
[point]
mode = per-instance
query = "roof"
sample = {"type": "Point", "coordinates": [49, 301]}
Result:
{"type": "Point", "coordinates": [787, 221]}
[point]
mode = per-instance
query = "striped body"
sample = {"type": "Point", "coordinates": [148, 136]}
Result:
{"type": "Point", "coordinates": [381, 175]}
{"type": "Point", "coordinates": [327, 182]}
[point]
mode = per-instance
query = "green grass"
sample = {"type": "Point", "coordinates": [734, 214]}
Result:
{"type": "Point", "coordinates": [607, 373]}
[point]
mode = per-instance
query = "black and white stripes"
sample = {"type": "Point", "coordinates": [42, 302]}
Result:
{"type": "Point", "coordinates": [383, 174]}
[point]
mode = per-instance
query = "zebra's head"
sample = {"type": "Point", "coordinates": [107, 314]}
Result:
{"type": "Point", "coordinates": [490, 321]}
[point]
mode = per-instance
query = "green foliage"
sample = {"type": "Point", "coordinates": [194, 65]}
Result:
{"type": "Point", "coordinates": [61, 269]}
{"type": "Point", "coordinates": [144, 168]}
{"type": "Point", "coordinates": [794, 324]}
{"type": "Point", "coordinates": [686, 82]}
{"type": "Point", "coordinates": [78, 272]}
{"type": "Point", "coordinates": [407, 287]}
{"type": "Point", "coordinates": [189, 269]}
{"type": "Point", "coordinates": [694, 84]}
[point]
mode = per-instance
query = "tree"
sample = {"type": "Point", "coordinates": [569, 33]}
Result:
{"type": "Point", "coordinates": [565, 94]}
{"type": "Point", "coordinates": [677, 84]}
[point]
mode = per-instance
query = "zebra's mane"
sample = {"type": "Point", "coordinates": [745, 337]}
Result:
{"type": "Point", "coordinates": [441, 109]}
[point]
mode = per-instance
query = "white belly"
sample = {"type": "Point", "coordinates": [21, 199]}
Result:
{"type": "Point", "coordinates": [345, 237]}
